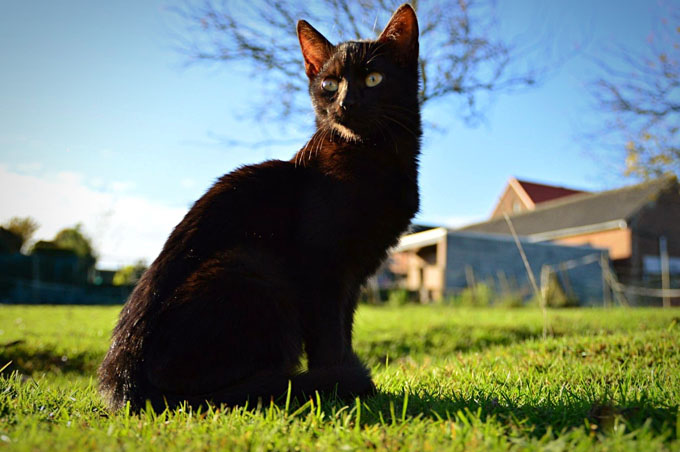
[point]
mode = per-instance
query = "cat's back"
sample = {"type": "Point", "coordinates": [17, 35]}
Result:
{"type": "Point", "coordinates": [250, 205]}
{"type": "Point", "coordinates": [253, 207]}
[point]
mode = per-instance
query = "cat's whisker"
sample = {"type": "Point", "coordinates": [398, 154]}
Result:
{"type": "Point", "coordinates": [327, 132]}
{"type": "Point", "coordinates": [374, 53]}
{"type": "Point", "coordinates": [399, 123]}
{"type": "Point", "coordinates": [299, 157]}
{"type": "Point", "coordinates": [374, 57]}
{"type": "Point", "coordinates": [405, 113]}
{"type": "Point", "coordinates": [394, 141]}
{"type": "Point", "coordinates": [323, 135]}
{"type": "Point", "coordinates": [382, 128]}
{"type": "Point", "coordinates": [401, 107]}
{"type": "Point", "coordinates": [306, 151]}
{"type": "Point", "coordinates": [346, 133]}
{"type": "Point", "coordinates": [318, 144]}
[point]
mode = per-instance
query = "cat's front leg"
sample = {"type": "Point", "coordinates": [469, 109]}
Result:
{"type": "Point", "coordinates": [328, 340]}
{"type": "Point", "coordinates": [333, 365]}
{"type": "Point", "coordinates": [325, 339]}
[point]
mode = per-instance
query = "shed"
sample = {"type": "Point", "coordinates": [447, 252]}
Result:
{"type": "Point", "coordinates": [441, 262]}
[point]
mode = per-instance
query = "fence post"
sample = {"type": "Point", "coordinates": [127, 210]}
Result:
{"type": "Point", "coordinates": [616, 286]}
{"type": "Point", "coordinates": [35, 277]}
{"type": "Point", "coordinates": [606, 296]}
{"type": "Point", "coordinates": [665, 277]}
{"type": "Point", "coordinates": [530, 274]}
{"type": "Point", "coordinates": [503, 283]}
{"type": "Point", "coordinates": [545, 283]}
{"type": "Point", "coordinates": [471, 282]}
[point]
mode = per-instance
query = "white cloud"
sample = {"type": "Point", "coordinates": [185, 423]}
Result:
{"type": "Point", "coordinates": [187, 182]}
{"type": "Point", "coordinates": [122, 186]}
{"type": "Point", "coordinates": [123, 227]}
{"type": "Point", "coordinates": [69, 177]}
{"type": "Point", "coordinates": [29, 167]}
{"type": "Point", "coordinates": [97, 182]}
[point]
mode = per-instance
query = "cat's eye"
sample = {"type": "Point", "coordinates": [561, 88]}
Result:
{"type": "Point", "coordinates": [373, 79]}
{"type": "Point", "coordinates": [330, 84]}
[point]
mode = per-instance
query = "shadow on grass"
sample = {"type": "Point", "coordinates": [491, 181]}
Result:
{"type": "Point", "coordinates": [31, 360]}
{"type": "Point", "coordinates": [443, 341]}
{"type": "Point", "coordinates": [532, 418]}
{"type": "Point", "coordinates": [439, 341]}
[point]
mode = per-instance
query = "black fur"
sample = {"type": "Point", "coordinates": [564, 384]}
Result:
{"type": "Point", "coordinates": [269, 262]}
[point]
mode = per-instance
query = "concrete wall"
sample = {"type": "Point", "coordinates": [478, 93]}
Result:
{"type": "Point", "coordinates": [661, 217]}
{"type": "Point", "coordinates": [492, 258]}
{"type": "Point", "coordinates": [617, 241]}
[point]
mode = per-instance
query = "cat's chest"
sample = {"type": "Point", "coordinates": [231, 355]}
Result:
{"type": "Point", "coordinates": [373, 180]}
{"type": "Point", "coordinates": [393, 196]}
{"type": "Point", "coordinates": [367, 210]}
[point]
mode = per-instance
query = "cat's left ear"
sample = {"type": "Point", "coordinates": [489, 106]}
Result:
{"type": "Point", "coordinates": [316, 49]}
{"type": "Point", "coordinates": [402, 32]}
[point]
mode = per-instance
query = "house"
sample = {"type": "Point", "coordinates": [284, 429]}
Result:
{"type": "Point", "coordinates": [10, 243]}
{"type": "Point", "coordinates": [522, 196]}
{"type": "Point", "coordinates": [577, 233]}
{"type": "Point", "coordinates": [636, 224]}
{"type": "Point", "coordinates": [438, 262]}
{"type": "Point", "coordinates": [51, 275]}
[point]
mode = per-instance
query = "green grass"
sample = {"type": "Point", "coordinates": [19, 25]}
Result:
{"type": "Point", "coordinates": [448, 379]}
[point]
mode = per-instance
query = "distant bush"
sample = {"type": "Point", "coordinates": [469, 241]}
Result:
{"type": "Point", "coordinates": [555, 296]}
{"type": "Point", "coordinates": [477, 296]}
{"type": "Point", "coordinates": [398, 297]}
{"type": "Point", "coordinates": [130, 274]}
{"type": "Point", "coordinates": [512, 300]}
{"type": "Point", "coordinates": [483, 295]}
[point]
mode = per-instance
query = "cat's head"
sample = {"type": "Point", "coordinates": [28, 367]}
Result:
{"type": "Point", "coordinates": [361, 88]}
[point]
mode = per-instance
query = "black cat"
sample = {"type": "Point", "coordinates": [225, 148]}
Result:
{"type": "Point", "coordinates": [269, 262]}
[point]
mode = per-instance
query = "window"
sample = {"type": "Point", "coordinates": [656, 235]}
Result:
{"type": "Point", "coordinates": [516, 207]}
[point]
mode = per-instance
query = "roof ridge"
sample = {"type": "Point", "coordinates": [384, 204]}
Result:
{"type": "Point", "coordinates": [578, 197]}
{"type": "Point", "coordinates": [662, 181]}
{"type": "Point", "coordinates": [550, 185]}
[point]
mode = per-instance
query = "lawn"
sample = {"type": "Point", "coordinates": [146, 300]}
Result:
{"type": "Point", "coordinates": [448, 379]}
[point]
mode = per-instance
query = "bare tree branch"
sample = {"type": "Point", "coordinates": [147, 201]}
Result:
{"type": "Point", "coordinates": [640, 93]}
{"type": "Point", "coordinates": [460, 55]}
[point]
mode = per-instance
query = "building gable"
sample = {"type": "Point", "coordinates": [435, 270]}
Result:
{"type": "Point", "coordinates": [580, 213]}
{"type": "Point", "coordinates": [522, 196]}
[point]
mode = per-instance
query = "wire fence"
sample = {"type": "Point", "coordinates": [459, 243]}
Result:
{"type": "Point", "coordinates": [623, 294]}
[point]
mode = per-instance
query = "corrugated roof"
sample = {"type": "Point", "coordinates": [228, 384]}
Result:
{"type": "Point", "coordinates": [579, 210]}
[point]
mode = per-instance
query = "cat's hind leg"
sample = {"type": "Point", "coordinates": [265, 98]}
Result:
{"type": "Point", "coordinates": [343, 382]}
{"type": "Point", "coordinates": [230, 322]}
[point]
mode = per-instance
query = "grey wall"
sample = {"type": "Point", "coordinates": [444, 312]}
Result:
{"type": "Point", "coordinates": [487, 254]}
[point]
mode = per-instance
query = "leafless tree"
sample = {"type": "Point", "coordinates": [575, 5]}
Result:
{"type": "Point", "coordinates": [640, 94]}
{"type": "Point", "coordinates": [460, 57]}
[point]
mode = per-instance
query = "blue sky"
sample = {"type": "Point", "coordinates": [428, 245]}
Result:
{"type": "Point", "coordinates": [101, 122]}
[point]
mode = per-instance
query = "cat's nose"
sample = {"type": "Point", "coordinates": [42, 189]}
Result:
{"type": "Point", "coordinates": [346, 104]}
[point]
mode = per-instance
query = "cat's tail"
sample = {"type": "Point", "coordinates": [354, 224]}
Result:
{"type": "Point", "coordinates": [343, 382]}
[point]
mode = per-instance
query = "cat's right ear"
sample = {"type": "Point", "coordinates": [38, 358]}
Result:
{"type": "Point", "coordinates": [315, 48]}
{"type": "Point", "coordinates": [402, 33]}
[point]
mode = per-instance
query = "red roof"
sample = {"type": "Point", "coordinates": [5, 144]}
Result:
{"type": "Point", "coordinates": [541, 193]}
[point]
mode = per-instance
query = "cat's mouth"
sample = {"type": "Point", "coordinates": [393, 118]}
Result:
{"type": "Point", "coordinates": [347, 126]}
{"type": "Point", "coordinates": [345, 131]}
